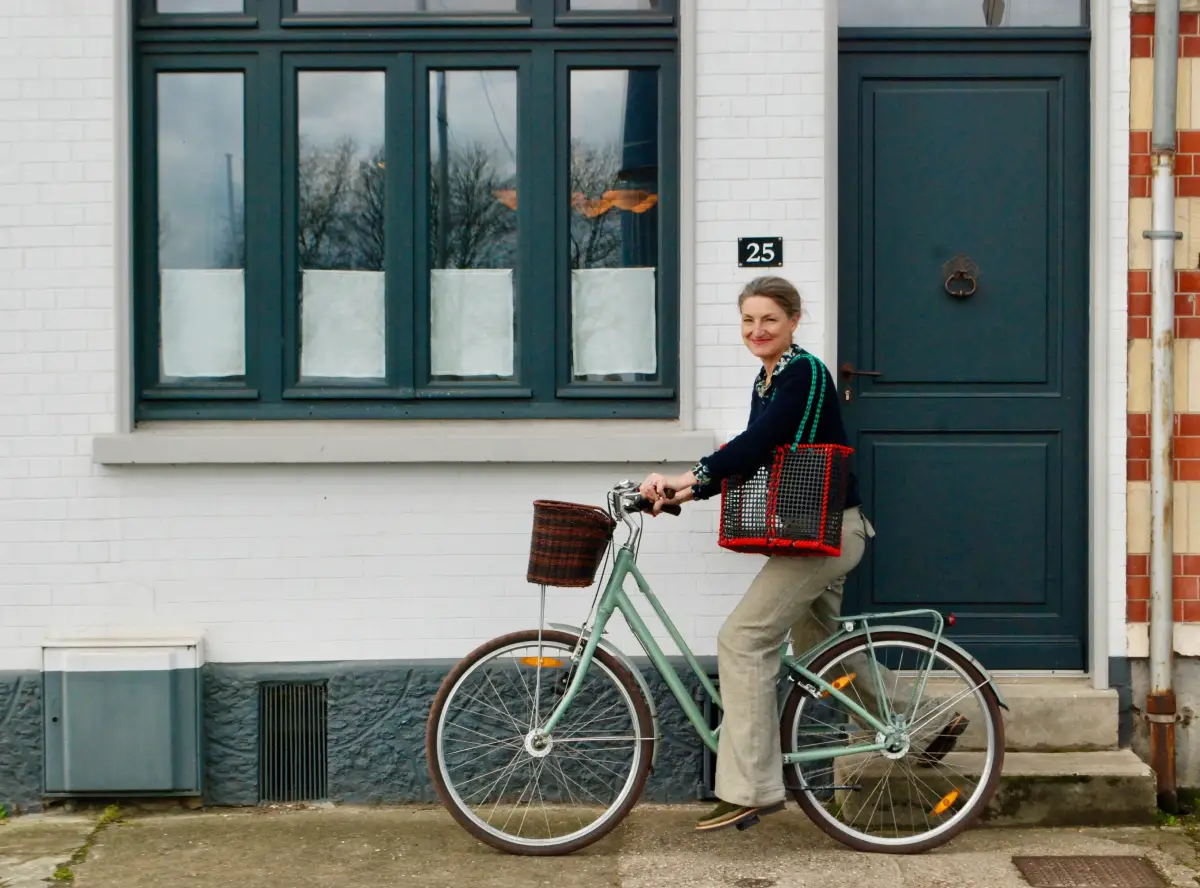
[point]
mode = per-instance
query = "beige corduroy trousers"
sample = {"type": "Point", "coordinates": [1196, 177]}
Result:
{"type": "Point", "coordinates": [800, 593]}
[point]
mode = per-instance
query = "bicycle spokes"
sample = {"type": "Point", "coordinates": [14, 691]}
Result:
{"type": "Point", "coordinates": [512, 778]}
{"type": "Point", "coordinates": [937, 754]}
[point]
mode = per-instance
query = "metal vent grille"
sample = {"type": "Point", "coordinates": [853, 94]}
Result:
{"type": "Point", "coordinates": [293, 764]}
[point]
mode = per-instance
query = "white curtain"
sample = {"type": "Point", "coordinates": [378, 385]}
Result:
{"type": "Point", "coordinates": [613, 321]}
{"type": "Point", "coordinates": [342, 325]}
{"type": "Point", "coordinates": [202, 322]}
{"type": "Point", "coordinates": [471, 322]}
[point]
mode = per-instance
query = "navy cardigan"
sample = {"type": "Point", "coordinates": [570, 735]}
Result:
{"type": "Point", "coordinates": [776, 408]}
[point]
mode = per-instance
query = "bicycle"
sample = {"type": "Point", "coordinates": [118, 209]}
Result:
{"type": "Point", "coordinates": [549, 670]}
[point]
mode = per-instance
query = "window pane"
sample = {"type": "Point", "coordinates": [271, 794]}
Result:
{"type": "Point", "coordinates": [614, 224]}
{"type": "Point", "coordinates": [199, 6]}
{"type": "Point", "coordinates": [472, 223]}
{"type": "Point", "coordinates": [961, 13]}
{"type": "Point", "coordinates": [621, 5]}
{"type": "Point", "coordinates": [402, 6]}
{"type": "Point", "coordinates": [341, 224]}
{"type": "Point", "coordinates": [201, 232]}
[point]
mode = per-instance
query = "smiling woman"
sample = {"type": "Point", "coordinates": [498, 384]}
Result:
{"type": "Point", "coordinates": [479, 219]}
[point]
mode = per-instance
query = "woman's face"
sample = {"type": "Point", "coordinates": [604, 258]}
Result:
{"type": "Point", "coordinates": [766, 328]}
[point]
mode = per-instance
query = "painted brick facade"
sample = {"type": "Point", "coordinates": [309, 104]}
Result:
{"type": "Point", "coordinates": [287, 563]}
{"type": "Point", "coordinates": [1187, 323]}
{"type": "Point", "coordinates": [355, 562]}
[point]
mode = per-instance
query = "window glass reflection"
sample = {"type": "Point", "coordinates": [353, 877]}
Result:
{"type": "Point", "coordinates": [341, 215]}
{"type": "Point", "coordinates": [201, 225]}
{"type": "Point", "coordinates": [615, 5]}
{"type": "Point", "coordinates": [385, 7]}
{"type": "Point", "coordinates": [196, 7]}
{"type": "Point", "coordinates": [961, 13]}
{"type": "Point", "coordinates": [472, 223]}
{"type": "Point", "coordinates": [613, 234]}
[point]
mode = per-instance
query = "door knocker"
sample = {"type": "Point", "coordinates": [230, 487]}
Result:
{"type": "Point", "coordinates": [960, 274]}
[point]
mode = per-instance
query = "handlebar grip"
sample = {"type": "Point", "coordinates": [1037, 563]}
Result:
{"type": "Point", "coordinates": [642, 504]}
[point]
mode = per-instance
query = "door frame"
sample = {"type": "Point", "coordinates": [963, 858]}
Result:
{"type": "Point", "coordinates": [1107, 328]}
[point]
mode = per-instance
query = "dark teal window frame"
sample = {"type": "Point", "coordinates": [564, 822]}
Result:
{"type": "Point", "coordinates": [269, 44]}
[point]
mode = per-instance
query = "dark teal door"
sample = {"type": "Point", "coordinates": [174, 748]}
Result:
{"type": "Point", "coordinates": [972, 441]}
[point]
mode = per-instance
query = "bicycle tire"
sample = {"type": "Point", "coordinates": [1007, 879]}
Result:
{"type": "Point", "coordinates": [645, 723]}
{"type": "Point", "coordinates": [804, 799]}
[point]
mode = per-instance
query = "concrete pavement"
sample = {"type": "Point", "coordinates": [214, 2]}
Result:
{"type": "Point", "coordinates": [360, 847]}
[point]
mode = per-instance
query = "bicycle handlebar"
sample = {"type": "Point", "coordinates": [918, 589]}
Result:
{"type": "Point", "coordinates": [642, 504]}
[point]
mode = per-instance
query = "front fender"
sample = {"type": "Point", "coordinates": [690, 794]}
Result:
{"type": "Point", "coordinates": [622, 658]}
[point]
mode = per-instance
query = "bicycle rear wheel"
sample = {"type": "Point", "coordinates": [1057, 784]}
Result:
{"type": "Point", "coordinates": [529, 795]}
{"type": "Point", "coordinates": [941, 768]}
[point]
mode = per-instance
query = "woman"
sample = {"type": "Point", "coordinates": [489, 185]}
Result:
{"type": "Point", "coordinates": [802, 593]}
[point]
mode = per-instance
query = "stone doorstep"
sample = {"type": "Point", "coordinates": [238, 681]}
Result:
{"type": "Point", "coordinates": [1050, 715]}
{"type": "Point", "coordinates": [1105, 788]}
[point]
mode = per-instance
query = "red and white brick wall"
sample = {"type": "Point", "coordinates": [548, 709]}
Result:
{"type": "Point", "coordinates": [1187, 333]}
{"type": "Point", "coordinates": [300, 563]}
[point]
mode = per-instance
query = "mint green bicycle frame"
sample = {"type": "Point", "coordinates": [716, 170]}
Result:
{"type": "Point", "coordinates": [615, 598]}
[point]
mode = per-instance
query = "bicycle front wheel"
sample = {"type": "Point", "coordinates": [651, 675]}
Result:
{"type": "Point", "coordinates": [941, 761]}
{"type": "Point", "coordinates": [516, 790]}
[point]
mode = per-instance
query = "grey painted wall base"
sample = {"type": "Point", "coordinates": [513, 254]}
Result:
{"type": "Point", "coordinates": [376, 730]}
{"type": "Point", "coordinates": [377, 713]}
{"type": "Point", "coordinates": [1121, 681]}
{"type": "Point", "coordinates": [376, 735]}
{"type": "Point", "coordinates": [20, 741]}
{"type": "Point", "coordinates": [1186, 679]}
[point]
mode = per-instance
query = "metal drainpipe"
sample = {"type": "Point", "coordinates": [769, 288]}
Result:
{"type": "Point", "coordinates": [1160, 702]}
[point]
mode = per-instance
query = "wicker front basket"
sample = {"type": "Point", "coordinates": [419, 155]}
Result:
{"type": "Point", "coordinates": [568, 542]}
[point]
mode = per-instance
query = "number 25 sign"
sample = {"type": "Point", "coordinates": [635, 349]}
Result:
{"type": "Point", "coordinates": [760, 252]}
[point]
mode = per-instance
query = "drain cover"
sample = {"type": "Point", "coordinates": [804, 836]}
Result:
{"type": "Point", "coordinates": [1088, 872]}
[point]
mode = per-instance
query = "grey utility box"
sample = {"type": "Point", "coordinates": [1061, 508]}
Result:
{"type": "Point", "coordinates": [123, 715]}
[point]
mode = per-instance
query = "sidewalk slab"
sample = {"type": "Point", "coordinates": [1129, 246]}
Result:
{"type": "Point", "coordinates": [32, 847]}
{"type": "Point", "coordinates": [368, 847]}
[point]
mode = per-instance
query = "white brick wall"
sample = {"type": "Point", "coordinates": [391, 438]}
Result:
{"type": "Point", "coordinates": [760, 168]}
{"type": "Point", "coordinates": [312, 563]}
{"type": "Point", "coordinates": [295, 563]}
{"type": "Point", "coordinates": [1118, 320]}
{"type": "Point", "coordinates": [59, 538]}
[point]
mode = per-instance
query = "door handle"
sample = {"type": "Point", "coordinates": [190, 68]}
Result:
{"type": "Point", "coordinates": [848, 371]}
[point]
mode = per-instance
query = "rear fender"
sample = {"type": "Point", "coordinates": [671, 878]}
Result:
{"type": "Point", "coordinates": [942, 642]}
{"type": "Point", "coordinates": [622, 658]}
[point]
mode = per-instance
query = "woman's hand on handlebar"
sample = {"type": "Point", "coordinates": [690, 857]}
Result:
{"type": "Point", "coordinates": [671, 503]}
{"type": "Point", "coordinates": [654, 487]}
{"type": "Point", "coordinates": [659, 487]}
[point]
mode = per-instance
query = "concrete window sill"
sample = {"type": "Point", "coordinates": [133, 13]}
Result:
{"type": "Point", "coordinates": [320, 442]}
